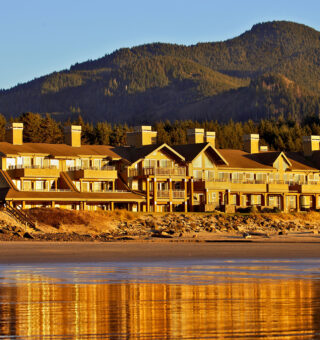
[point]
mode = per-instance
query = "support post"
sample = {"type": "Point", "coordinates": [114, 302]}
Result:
{"type": "Point", "coordinates": [284, 205]}
{"type": "Point", "coordinates": [155, 194]}
{"type": "Point", "coordinates": [148, 195]}
{"type": "Point", "coordinates": [191, 194]}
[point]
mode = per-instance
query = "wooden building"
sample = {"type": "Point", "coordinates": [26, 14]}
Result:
{"type": "Point", "coordinates": [146, 176]}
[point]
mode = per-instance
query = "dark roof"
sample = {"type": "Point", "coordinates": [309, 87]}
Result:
{"type": "Point", "coordinates": [133, 153]}
{"type": "Point", "coordinates": [190, 151]}
{"type": "Point", "coordinates": [267, 158]}
{"type": "Point", "coordinates": [9, 194]}
{"type": "Point", "coordinates": [58, 150]}
{"type": "Point", "coordinates": [299, 162]}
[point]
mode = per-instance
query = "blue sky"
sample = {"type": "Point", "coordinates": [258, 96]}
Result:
{"type": "Point", "coordinates": [42, 36]}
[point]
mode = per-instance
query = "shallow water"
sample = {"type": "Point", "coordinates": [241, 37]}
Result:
{"type": "Point", "coordinates": [239, 299]}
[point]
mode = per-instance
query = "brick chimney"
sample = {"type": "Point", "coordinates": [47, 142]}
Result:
{"type": "Point", "coordinates": [195, 136]}
{"type": "Point", "coordinates": [73, 135]}
{"type": "Point", "coordinates": [310, 144]}
{"type": "Point", "coordinates": [14, 133]}
{"type": "Point", "coordinates": [141, 135]}
{"type": "Point", "coordinates": [251, 143]}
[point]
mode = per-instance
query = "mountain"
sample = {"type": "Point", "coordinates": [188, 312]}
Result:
{"type": "Point", "coordinates": [271, 70]}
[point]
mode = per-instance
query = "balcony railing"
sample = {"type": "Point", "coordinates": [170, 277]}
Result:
{"type": "Point", "coordinates": [261, 181]}
{"type": "Point", "coordinates": [47, 190]}
{"type": "Point", "coordinates": [165, 194]}
{"type": "Point", "coordinates": [34, 166]}
{"type": "Point", "coordinates": [96, 168]}
{"type": "Point", "coordinates": [178, 171]}
{"type": "Point", "coordinates": [178, 194]}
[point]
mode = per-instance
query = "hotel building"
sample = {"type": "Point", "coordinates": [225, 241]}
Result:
{"type": "Point", "coordinates": [146, 176]}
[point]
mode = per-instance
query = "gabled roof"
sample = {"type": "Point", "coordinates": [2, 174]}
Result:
{"type": "Point", "coordinates": [269, 158]}
{"type": "Point", "coordinates": [264, 160]}
{"type": "Point", "coordinates": [57, 150]}
{"type": "Point", "coordinates": [191, 151]}
{"type": "Point", "coordinates": [240, 159]}
{"type": "Point", "coordinates": [134, 154]}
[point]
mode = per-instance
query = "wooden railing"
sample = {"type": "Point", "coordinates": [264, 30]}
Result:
{"type": "Point", "coordinates": [176, 194]}
{"type": "Point", "coordinates": [105, 168]}
{"type": "Point", "coordinates": [34, 166]}
{"type": "Point", "coordinates": [167, 172]}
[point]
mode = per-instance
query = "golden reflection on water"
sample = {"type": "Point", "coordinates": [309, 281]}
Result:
{"type": "Point", "coordinates": [35, 305]}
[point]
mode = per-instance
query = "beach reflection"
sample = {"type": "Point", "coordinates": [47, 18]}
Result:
{"type": "Point", "coordinates": [39, 306]}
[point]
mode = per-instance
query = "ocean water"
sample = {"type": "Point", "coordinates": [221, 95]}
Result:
{"type": "Point", "coordinates": [213, 299]}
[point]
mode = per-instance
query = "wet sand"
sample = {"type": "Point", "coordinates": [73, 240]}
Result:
{"type": "Point", "coordinates": [139, 251]}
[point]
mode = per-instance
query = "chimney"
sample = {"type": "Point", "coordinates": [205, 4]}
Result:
{"type": "Point", "coordinates": [14, 134]}
{"type": "Point", "coordinates": [195, 136]}
{"type": "Point", "coordinates": [310, 144]}
{"type": "Point", "coordinates": [210, 137]}
{"type": "Point", "coordinates": [141, 135]}
{"type": "Point", "coordinates": [73, 135]}
{"type": "Point", "coordinates": [251, 143]}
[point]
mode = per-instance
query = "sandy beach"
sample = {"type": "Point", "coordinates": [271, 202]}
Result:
{"type": "Point", "coordinates": [139, 251]}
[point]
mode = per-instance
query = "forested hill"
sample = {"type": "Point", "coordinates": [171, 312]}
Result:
{"type": "Point", "coordinates": [269, 71]}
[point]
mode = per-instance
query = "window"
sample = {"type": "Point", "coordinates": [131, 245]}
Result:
{"type": "Point", "coordinates": [96, 163]}
{"type": "Point", "coordinates": [164, 163]}
{"type": "Point", "coordinates": [261, 178]}
{"type": "Point", "coordinates": [209, 175]}
{"type": "Point", "coordinates": [224, 176]}
{"type": "Point", "coordinates": [85, 186]}
{"type": "Point", "coordinates": [39, 185]}
{"type": "Point", "coordinates": [70, 163]}
{"type": "Point", "coordinates": [85, 163]}
{"type": "Point", "coordinates": [96, 186]}
{"type": "Point", "coordinates": [150, 163]}
{"type": "Point", "coordinates": [233, 199]}
{"type": "Point", "coordinates": [237, 177]}
{"type": "Point", "coordinates": [197, 163]}
{"type": "Point", "coordinates": [54, 163]}
{"type": "Point", "coordinates": [11, 163]}
{"type": "Point", "coordinates": [178, 186]}
{"type": "Point", "coordinates": [27, 185]}
{"type": "Point", "coordinates": [207, 162]}
{"type": "Point", "coordinates": [38, 162]}
{"type": "Point", "coordinates": [197, 174]}
{"type": "Point", "coordinates": [214, 197]}
{"type": "Point", "coordinates": [258, 199]}
{"type": "Point", "coordinates": [135, 185]}
{"type": "Point", "coordinates": [26, 161]}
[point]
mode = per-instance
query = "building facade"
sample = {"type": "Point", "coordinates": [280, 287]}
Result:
{"type": "Point", "coordinates": [146, 176]}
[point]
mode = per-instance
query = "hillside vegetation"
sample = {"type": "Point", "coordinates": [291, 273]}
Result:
{"type": "Point", "coordinates": [269, 71]}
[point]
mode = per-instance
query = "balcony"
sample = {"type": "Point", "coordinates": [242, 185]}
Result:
{"type": "Point", "coordinates": [160, 172]}
{"type": "Point", "coordinates": [309, 188]}
{"type": "Point", "coordinates": [109, 172]}
{"type": "Point", "coordinates": [176, 194]}
{"type": "Point", "coordinates": [33, 171]}
{"type": "Point", "coordinates": [47, 190]}
{"type": "Point", "coordinates": [278, 186]}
